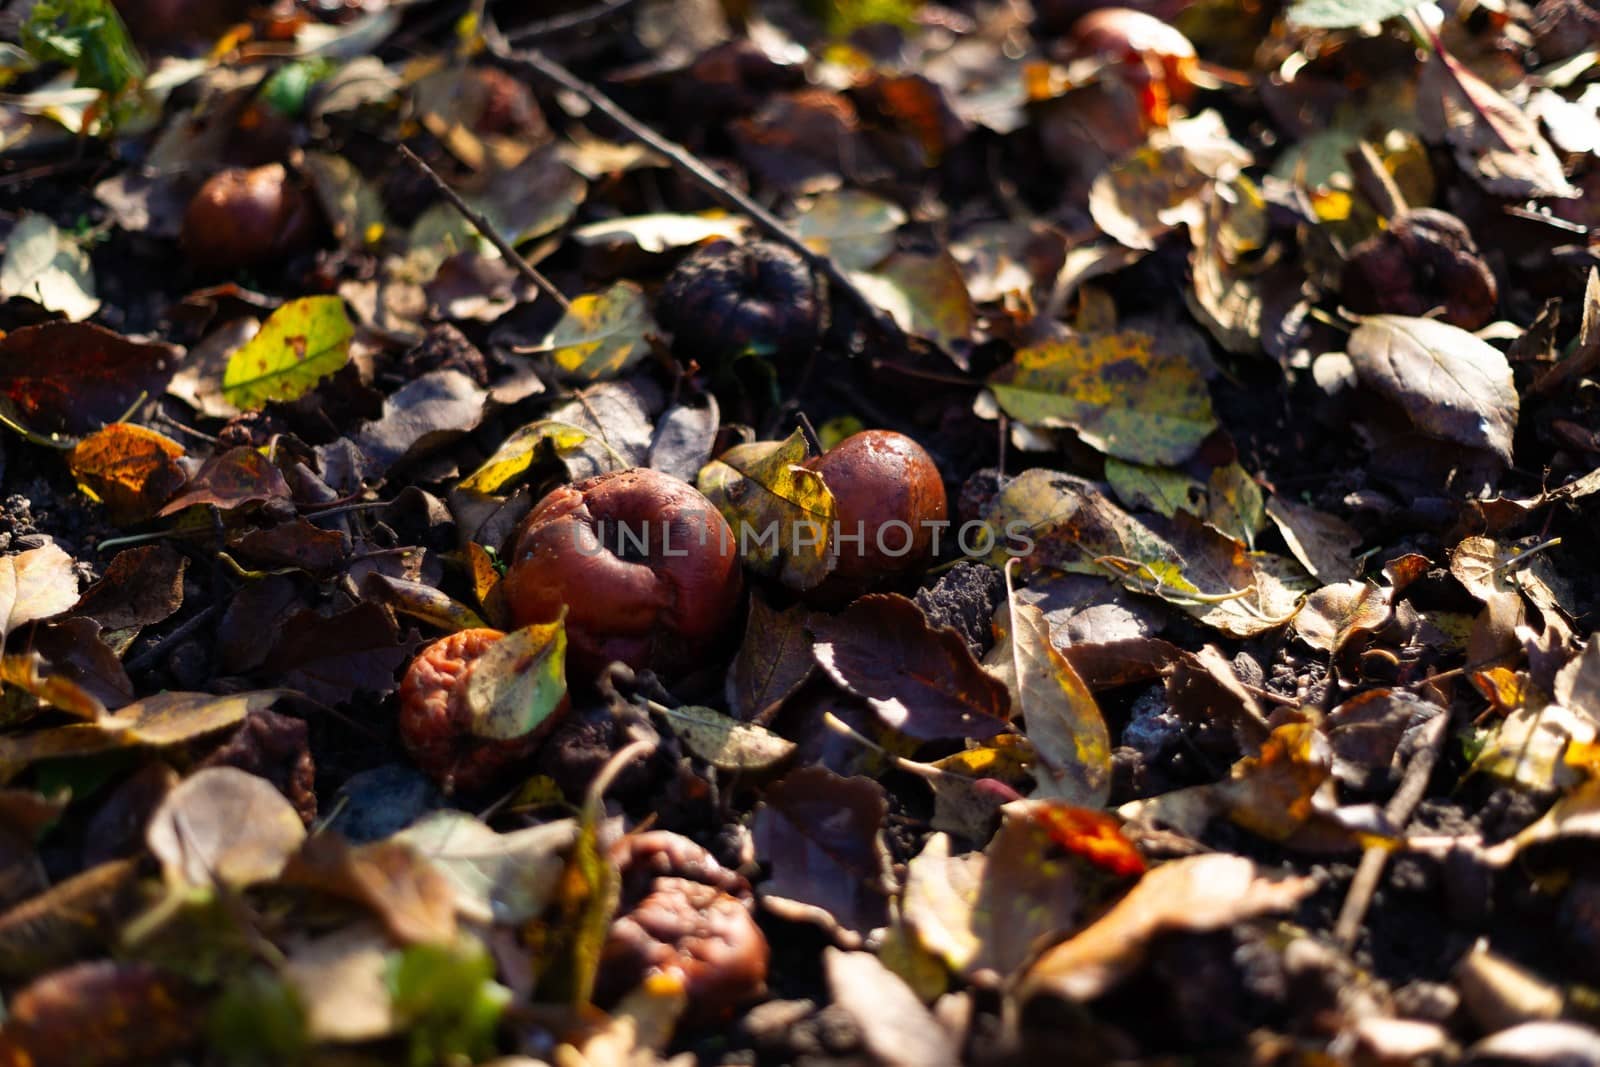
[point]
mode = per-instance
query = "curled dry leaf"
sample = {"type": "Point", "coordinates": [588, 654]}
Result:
{"type": "Point", "coordinates": [1194, 894]}
{"type": "Point", "coordinates": [1335, 614]}
{"type": "Point", "coordinates": [1060, 715]}
{"type": "Point", "coordinates": [921, 681]}
{"type": "Point", "coordinates": [35, 584]}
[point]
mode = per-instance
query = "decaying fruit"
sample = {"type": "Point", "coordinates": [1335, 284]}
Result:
{"type": "Point", "coordinates": [245, 218]}
{"type": "Point", "coordinates": [1425, 260]}
{"type": "Point", "coordinates": [889, 503]}
{"type": "Point", "coordinates": [686, 916]}
{"type": "Point", "coordinates": [727, 299]}
{"type": "Point", "coordinates": [435, 717]}
{"type": "Point", "coordinates": [645, 568]}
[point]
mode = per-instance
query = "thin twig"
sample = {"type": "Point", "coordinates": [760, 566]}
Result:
{"type": "Point", "coordinates": [150, 656]}
{"type": "Point", "coordinates": [702, 174]}
{"type": "Point", "coordinates": [1398, 811]}
{"type": "Point", "coordinates": [484, 227]}
{"type": "Point", "coordinates": [572, 20]}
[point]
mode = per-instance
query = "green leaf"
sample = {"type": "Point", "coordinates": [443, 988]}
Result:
{"type": "Point", "coordinates": [89, 36]}
{"type": "Point", "coordinates": [302, 343]}
{"type": "Point", "coordinates": [519, 682]}
{"type": "Point", "coordinates": [1337, 14]}
{"type": "Point", "coordinates": [447, 1000]}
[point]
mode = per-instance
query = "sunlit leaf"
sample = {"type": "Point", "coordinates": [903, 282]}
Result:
{"type": "Point", "coordinates": [1121, 395]}
{"type": "Point", "coordinates": [301, 343]}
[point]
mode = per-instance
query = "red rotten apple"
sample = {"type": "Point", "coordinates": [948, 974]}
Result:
{"type": "Point", "coordinates": [645, 566]}
{"type": "Point", "coordinates": [436, 716]}
{"type": "Point", "coordinates": [887, 490]}
{"type": "Point", "coordinates": [244, 218]}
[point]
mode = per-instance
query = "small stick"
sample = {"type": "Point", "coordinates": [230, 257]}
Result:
{"type": "Point", "coordinates": [1374, 181]}
{"type": "Point", "coordinates": [573, 20]}
{"type": "Point", "coordinates": [482, 225]}
{"type": "Point", "coordinates": [1398, 811]}
{"type": "Point", "coordinates": [152, 655]}
{"type": "Point", "coordinates": [691, 165]}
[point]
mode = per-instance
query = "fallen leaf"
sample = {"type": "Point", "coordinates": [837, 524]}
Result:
{"type": "Point", "coordinates": [1451, 384]}
{"type": "Point", "coordinates": [600, 335]}
{"type": "Point", "coordinates": [74, 377]}
{"type": "Point", "coordinates": [519, 682]}
{"type": "Point", "coordinates": [822, 834]}
{"type": "Point", "coordinates": [503, 878]}
{"type": "Point", "coordinates": [131, 469]}
{"type": "Point", "coordinates": [921, 681]}
{"type": "Point", "coordinates": [300, 344]}
{"type": "Point", "coordinates": [1060, 715]}
{"type": "Point", "coordinates": [895, 1027]}
{"type": "Point", "coordinates": [773, 662]}
{"type": "Point", "coordinates": [101, 1014]}
{"type": "Point", "coordinates": [35, 584]}
{"type": "Point", "coordinates": [782, 512]}
{"type": "Point", "coordinates": [221, 826]}
{"type": "Point", "coordinates": [855, 229]}
{"type": "Point", "coordinates": [1122, 395]}
{"type": "Point", "coordinates": [48, 267]}
{"type": "Point", "coordinates": [1498, 145]}
{"type": "Point", "coordinates": [1193, 894]}
{"type": "Point", "coordinates": [727, 744]}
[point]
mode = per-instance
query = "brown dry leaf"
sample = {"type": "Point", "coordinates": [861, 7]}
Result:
{"type": "Point", "coordinates": [1452, 384]}
{"type": "Point", "coordinates": [1322, 543]}
{"type": "Point", "coordinates": [1336, 613]}
{"type": "Point", "coordinates": [927, 297]}
{"type": "Point", "coordinates": [221, 826]}
{"type": "Point", "coordinates": [895, 1026]}
{"type": "Point", "coordinates": [823, 836]}
{"type": "Point", "coordinates": [140, 587]}
{"type": "Point", "coordinates": [414, 900]}
{"type": "Point", "coordinates": [229, 480]}
{"type": "Point", "coordinates": [1494, 141]}
{"type": "Point", "coordinates": [131, 469]}
{"type": "Point", "coordinates": [35, 584]}
{"type": "Point", "coordinates": [101, 1014]}
{"type": "Point", "coordinates": [1194, 894]}
{"type": "Point", "coordinates": [164, 719]}
{"type": "Point", "coordinates": [74, 377]}
{"type": "Point", "coordinates": [773, 663]}
{"type": "Point", "coordinates": [69, 920]}
{"type": "Point", "coordinates": [921, 681]}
